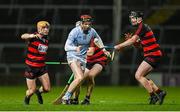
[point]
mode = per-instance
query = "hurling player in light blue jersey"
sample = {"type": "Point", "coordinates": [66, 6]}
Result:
{"type": "Point", "coordinates": [76, 46]}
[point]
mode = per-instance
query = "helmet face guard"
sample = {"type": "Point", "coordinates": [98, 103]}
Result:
{"type": "Point", "coordinates": [134, 16]}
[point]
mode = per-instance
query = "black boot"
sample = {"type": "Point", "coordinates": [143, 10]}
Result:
{"type": "Point", "coordinates": [74, 101]}
{"type": "Point", "coordinates": [26, 100]}
{"type": "Point", "coordinates": [40, 99]}
{"type": "Point", "coordinates": [85, 102]}
{"type": "Point", "coordinates": [161, 97]}
{"type": "Point", "coordinates": [153, 99]}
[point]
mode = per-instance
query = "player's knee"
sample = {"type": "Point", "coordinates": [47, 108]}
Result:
{"type": "Point", "coordinates": [32, 90]}
{"type": "Point", "coordinates": [91, 75]}
{"type": "Point", "coordinates": [79, 79]}
{"type": "Point", "coordinates": [46, 89]}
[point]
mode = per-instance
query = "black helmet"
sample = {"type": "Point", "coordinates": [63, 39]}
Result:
{"type": "Point", "coordinates": [136, 14]}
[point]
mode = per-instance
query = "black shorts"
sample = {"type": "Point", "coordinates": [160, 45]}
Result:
{"type": "Point", "coordinates": [154, 61]}
{"type": "Point", "coordinates": [35, 72]}
{"type": "Point", "coordinates": [90, 65]}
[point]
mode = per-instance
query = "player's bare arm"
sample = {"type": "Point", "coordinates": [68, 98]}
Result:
{"type": "Point", "coordinates": [28, 36]}
{"type": "Point", "coordinates": [98, 42]}
{"type": "Point", "coordinates": [128, 42]}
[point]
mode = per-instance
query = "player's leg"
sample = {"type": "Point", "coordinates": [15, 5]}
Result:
{"type": "Point", "coordinates": [92, 73]}
{"type": "Point", "coordinates": [153, 99]}
{"type": "Point", "coordinates": [78, 74]}
{"type": "Point", "coordinates": [141, 72]}
{"type": "Point", "coordinates": [45, 81]}
{"type": "Point", "coordinates": [156, 89]}
{"type": "Point", "coordinates": [30, 75]}
{"type": "Point", "coordinates": [154, 62]}
{"type": "Point", "coordinates": [58, 100]}
{"type": "Point", "coordinates": [161, 94]}
{"type": "Point", "coordinates": [31, 84]}
{"type": "Point", "coordinates": [90, 86]}
{"type": "Point", "coordinates": [76, 94]}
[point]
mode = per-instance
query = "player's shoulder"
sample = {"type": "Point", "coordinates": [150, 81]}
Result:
{"type": "Point", "coordinates": [92, 29]}
{"type": "Point", "coordinates": [146, 26]}
{"type": "Point", "coordinates": [75, 30]}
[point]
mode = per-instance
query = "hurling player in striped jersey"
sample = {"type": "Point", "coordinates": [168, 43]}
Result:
{"type": "Point", "coordinates": [35, 61]}
{"type": "Point", "coordinates": [152, 55]}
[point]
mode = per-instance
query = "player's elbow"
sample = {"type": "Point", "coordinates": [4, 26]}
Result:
{"type": "Point", "coordinates": [66, 47]}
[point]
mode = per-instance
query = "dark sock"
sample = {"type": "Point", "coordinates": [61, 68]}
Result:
{"type": "Point", "coordinates": [76, 99]}
{"type": "Point", "coordinates": [152, 94]}
{"type": "Point", "coordinates": [28, 96]}
{"type": "Point", "coordinates": [37, 91]}
{"type": "Point", "coordinates": [88, 97]}
{"type": "Point", "coordinates": [158, 91]}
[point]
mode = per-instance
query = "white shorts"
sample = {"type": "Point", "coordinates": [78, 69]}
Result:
{"type": "Point", "coordinates": [83, 63]}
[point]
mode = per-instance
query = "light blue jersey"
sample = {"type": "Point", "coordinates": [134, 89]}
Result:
{"type": "Point", "coordinates": [77, 38]}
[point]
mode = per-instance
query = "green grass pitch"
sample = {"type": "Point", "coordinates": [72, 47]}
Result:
{"type": "Point", "coordinates": [108, 98]}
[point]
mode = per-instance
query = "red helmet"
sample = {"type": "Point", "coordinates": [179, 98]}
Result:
{"type": "Point", "coordinates": [86, 18]}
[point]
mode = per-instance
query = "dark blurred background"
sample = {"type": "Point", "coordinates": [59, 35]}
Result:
{"type": "Point", "coordinates": [111, 22]}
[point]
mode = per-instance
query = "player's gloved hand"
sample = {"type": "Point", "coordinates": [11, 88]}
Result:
{"type": "Point", "coordinates": [137, 44]}
{"type": "Point", "coordinates": [107, 53]}
{"type": "Point", "coordinates": [33, 36]}
{"type": "Point", "coordinates": [128, 36]}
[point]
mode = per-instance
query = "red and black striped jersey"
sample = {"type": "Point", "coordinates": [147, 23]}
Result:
{"type": "Point", "coordinates": [37, 51]}
{"type": "Point", "coordinates": [148, 41]}
{"type": "Point", "coordinates": [98, 56]}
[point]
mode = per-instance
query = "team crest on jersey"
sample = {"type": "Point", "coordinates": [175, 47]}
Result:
{"type": "Point", "coordinates": [42, 48]}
